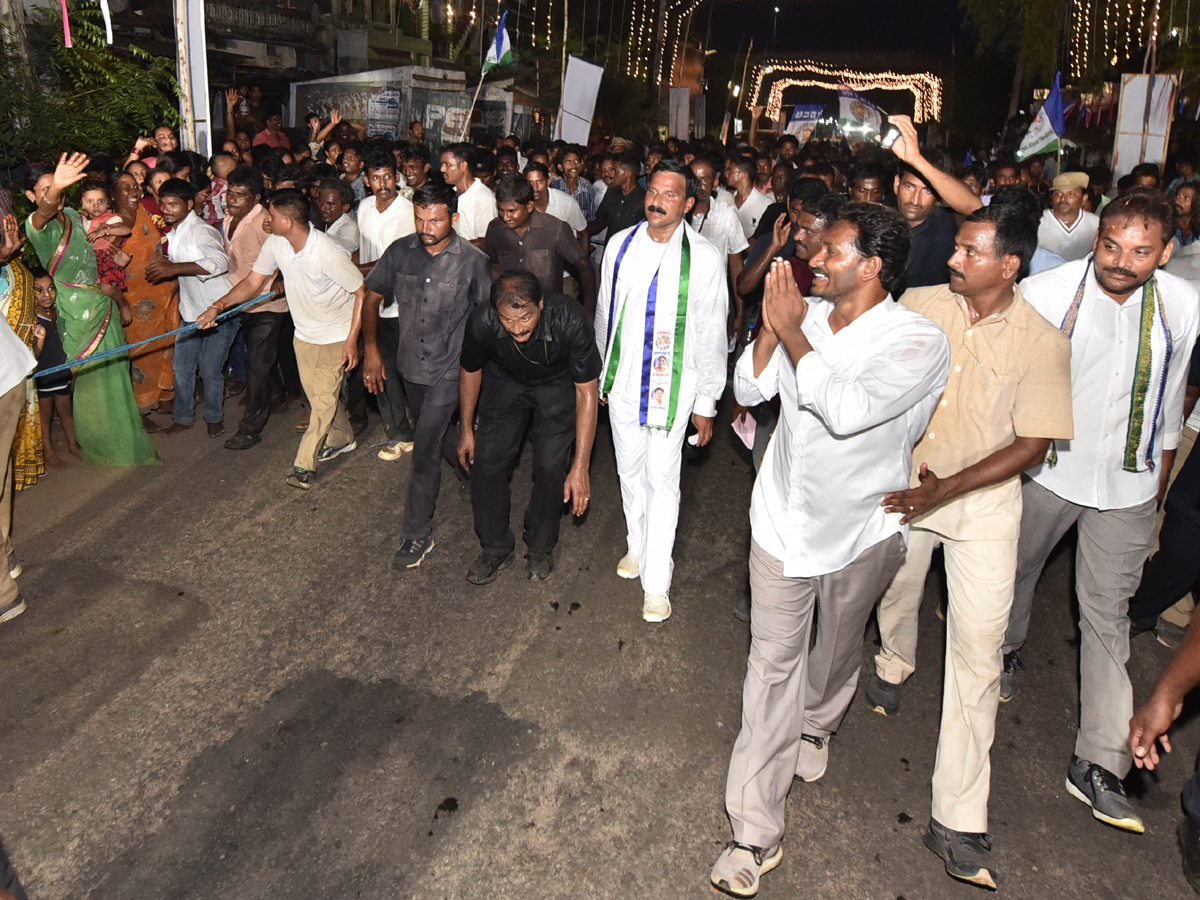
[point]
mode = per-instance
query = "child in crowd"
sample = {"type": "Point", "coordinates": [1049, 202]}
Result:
{"type": "Point", "coordinates": [95, 209]}
{"type": "Point", "coordinates": [219, 167]}
{"type": "Point", "coordinates": [54, 391]}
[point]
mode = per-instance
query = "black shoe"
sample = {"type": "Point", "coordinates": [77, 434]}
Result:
{"type": "Point", "coordinates": [538, 566]}
{"type": "Point", "coordinates": [741, 609]}
{"type": "Point", "coordinates": [1103, 792]}
{"type": "Point", "coordinates": [302, 479]}
{"type": "Point", "coordinates": [1189, 844]}
{"type": "Point", "coordinates": [464, 489]}
{"type": "Point", "coordinates": [966, 855]}
{"type": "Point", "coordinates": [242, 441]}
{"type": "Point", "coordinates": [488, 565]}
{"type": "Point", "coordinates": [883, 697]}
{"type": "Point", "coordinates": [411, 554]}
{"type": "Point", "coordinates": [12, 610]}
{"type": "Point", "coordinates": [327, 453]}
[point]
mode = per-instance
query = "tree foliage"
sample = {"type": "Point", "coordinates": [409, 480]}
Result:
{"type": "Point", "coordinates": [1031, 29]}
{"type": "Point", "coordinates": [90, 97]}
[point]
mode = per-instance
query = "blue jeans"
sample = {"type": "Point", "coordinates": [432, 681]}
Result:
{"type": "Point", "coordinates": [206, 351]}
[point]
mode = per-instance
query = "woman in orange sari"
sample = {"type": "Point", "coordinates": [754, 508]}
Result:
{"type": "Point", "coordinates": [155, 306]}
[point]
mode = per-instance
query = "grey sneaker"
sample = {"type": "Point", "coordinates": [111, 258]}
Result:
{"type": "Point", "coordinates": [488, 566]}
{"type": "Point", "coordinates": [1103, 792]}
{"type": "Point", "coordinates": [966, 855]}
{"type": "Point", "coordinates": [538, 566]}
{"type": "Point", "coordinates": [1169, 634]}
{"type": "Point", "coordinates": [740, 866]}
{"type": "Point", "coordinates": [327, 453]}
{"type": "Point", "coordinates": [411, 554]}
{"type": "Point", "coordinates": [14, 568]}
{"type": "Point", "coordinates": [883, 697]}
{"type": "Point", "coordinates": [813, 759]}
{"type": "Point", "coordinates": [1008, 676]}
{"type": "Point", "coordinates": [302, 479]}
{"type": "Point", "coordinates": [741, 609]}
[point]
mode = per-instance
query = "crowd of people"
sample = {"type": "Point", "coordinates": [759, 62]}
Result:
{"type": "Point", "coordinates": [976, 358]}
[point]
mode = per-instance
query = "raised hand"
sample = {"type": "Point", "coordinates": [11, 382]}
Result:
{"type": "Point", "coordinates": [11, 239]}
{"type": "Point", "coordinates": [907, 147]}
{"type": "Point", "coordinates": [69, 170]}
{"type": "Point", "coordinates": [335, 116]}
{"type": "Point", "coordinates": [232, 97]}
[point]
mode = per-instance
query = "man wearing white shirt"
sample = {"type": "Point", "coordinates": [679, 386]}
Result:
{"type": "Point", "coordinates": [197, 258]}
{"type": "Point", "coordinates": [335, 204]}
{"type": "Point", "coordinates": [16, 363]}
{"type": "Point", "coordinates": [858, 377]}
{"type": "Point", "coordinates": [751, 204]}
{"type": "Point", "coordinates": [325, 294]}
{"type": "Point", "coordinates": [1132, 327]}
{"type": "Point", "coordinates": [476, 202]}
{"type": "Point", "coordinates": [720, 224]}
{"type": "Point", "coordinates": [384, 217]}
{"type": "Point", "coordinates": [554, 202]}
{"type": "Point", "coordinates": [1066, 228]}
{"type": "Point", "coordinates": [660, 328]}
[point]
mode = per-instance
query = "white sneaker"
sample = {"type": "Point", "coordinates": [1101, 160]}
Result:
{"type": "Point", "coordinates": [814, 758]}
{"type": "Point", "coordinates": [395, 450]}
{"type": "Point", "coordinates": [628, 566]}
{"type": "Point", "coordinates": [656, 608]}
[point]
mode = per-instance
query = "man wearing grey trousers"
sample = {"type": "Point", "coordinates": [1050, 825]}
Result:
{"type": "Point", "coordinates": [1132, 328]}
{"type": "Point", "coordinates": [858, 377]}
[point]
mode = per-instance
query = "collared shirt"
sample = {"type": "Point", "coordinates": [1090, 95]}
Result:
{"type": "Point", "coordinates": [321, 282]}
{"type": "Point", "coordinates": [278, 139]}
{"type": "Point", "coordinates": [243, 249]}
{"type": "Point", "coordinates": [1010, 377]}
{"type": "Point", "coordinates": [435, 295]}
{"type": "Point", "coordinates": [560, 354]}
{"type": "Point", "coordinates": [620, 211]}
{"type": "Point", "coordinates": [541, 250]}
{"type": "Point", "coordinates": [195, 241]}
{"type": "Point", "coordinates": [359, 186]}
{"type": "Point", "coordinates": [1043, 259]}
{"type": "Point", "coordinates": [850, 412]}
{"type": "Point", "coordinates": [1071, 243]}
{"type": "Point", "coordinates": [584, 195]}
{"type": "Point", "coordinates": [1104, 351]}
{"type": "Point", "coordinates": [721, 225]}
{"type": "Point", "coordinates": [16, 360]}
{"type": "Point", "coordinates": [476, 209]}
{"type": "Point", "coordinates": [705, 344]}
{"type": "Point", "coordinates": [932, 247]}
{"type": "Point", "coordinates": [561, 206]}
{"type": "Point", "coordinates": [377, 230]}
{"type": "Point", "coordinates": [752, 210]}
{"type": "Point", "coordinates": [344, 233]}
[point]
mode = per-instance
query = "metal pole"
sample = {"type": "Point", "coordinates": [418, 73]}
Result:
{"type": "Point", "coordinates": [183, 68]}
{"type": "Point", "coordinates": [562, 93]}
{"type": "Point", "coordinates": [742, 90]}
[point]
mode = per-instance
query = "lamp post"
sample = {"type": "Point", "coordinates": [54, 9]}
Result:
{"type": "Point", "coordinates": [774, 26]}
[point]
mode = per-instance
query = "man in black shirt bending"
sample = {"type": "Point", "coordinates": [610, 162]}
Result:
{"type": "Point", "coordinates": [526, 355]}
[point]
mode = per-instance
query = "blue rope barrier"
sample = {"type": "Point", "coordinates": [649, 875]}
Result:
{"type": "Point", "coordinates": [125, 348]}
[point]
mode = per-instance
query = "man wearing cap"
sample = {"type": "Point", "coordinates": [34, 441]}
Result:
{"type": "Point", "coordinates": [1066, 228]}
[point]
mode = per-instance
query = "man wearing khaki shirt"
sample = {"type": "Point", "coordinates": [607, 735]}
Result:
{"type": "Point", "coordinates": [1008, 396]}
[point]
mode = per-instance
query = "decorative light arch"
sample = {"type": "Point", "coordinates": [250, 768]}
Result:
{"type": "Point", "coordinates": [925, 87]}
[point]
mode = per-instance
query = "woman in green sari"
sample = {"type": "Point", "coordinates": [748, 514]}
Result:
{"type": "Point", "coordinates": [107, 422]}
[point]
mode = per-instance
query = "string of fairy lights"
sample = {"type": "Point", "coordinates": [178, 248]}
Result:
{"type": "Point", "coordinates": [925, 87]}
{"type": "Point", "coordinates": [1106, 32]}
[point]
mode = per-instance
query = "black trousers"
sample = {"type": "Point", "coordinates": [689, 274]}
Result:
{"type": "Point", "coordinates": [8, 877]}
{"type": "Point", "coordinates": [434, 438]}
{"type": "Point", "coordinates": [1171, 573]}
{"type": "Point", "coordinates": [393, 402]}
{"type": "Point", "coordinates": [499, 433]}
{"type": "Point", "coordinates": [354, 393]}
{"type": "Point", "coordinates": [264, 381]}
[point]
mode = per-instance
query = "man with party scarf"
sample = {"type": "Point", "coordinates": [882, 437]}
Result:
{"type": "Point", "coordinates": [1132, 327]}
{"type": "Point", "coordinates": [660, 323]}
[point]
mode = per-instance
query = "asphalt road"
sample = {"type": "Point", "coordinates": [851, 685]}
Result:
{"type": "Point", "coordinates": [221, 688]}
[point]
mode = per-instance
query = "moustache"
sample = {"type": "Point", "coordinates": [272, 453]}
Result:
{"type": "Point", "coordinates": [656, 209]}
{"type": "Point", "coordinates": [820, 273]}
{"type": "Point", "coordinates": [955, 272]}
{"type": "Point", "coordinates": [1118, 271]}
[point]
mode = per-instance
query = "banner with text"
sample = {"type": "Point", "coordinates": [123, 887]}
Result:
{"type": "Point", "coordinates": [859, 111]}
{"type": "Point", "coordinates": [803, 121]}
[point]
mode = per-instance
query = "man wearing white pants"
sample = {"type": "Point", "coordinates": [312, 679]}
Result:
{"type": "Point", "coordinates": [660, 328]}
{"type": "Point", "coordinates": [1008, 396]}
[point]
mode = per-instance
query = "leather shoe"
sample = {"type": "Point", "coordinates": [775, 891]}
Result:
{"type": "Point", "coordinates": [216, 429]}
{"type": "Point", "coordinates": [242, 441]}
{"type": "Point", "coordinates": [175, 428]}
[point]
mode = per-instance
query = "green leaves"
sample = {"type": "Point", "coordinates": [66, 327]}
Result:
{"type": "Point", "coordinates": [91, 97]}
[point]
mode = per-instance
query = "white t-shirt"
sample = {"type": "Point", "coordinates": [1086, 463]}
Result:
{"type": "Point", "coordinates": [722, 226]}
{"type": "Point", "coordinates": [377, 230]}
{"type": "Point", "coordinates": [16, 360]}
{"type": "Point", "coordinates": [752, 210]}
{"type": "Point", "coordinates": [320, 282]}
{"type": "Point", "coordinates": [563, 206]}
{"type": "Point", "coordinates": [344, 232]}
{"type": "Point", "coordinates": [194, 240]}
{"type": "Point", "coordinates": [476, 209]}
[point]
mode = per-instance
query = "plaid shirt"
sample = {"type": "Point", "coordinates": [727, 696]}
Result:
{"type": "Point", "coordinates": [584, 194]}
